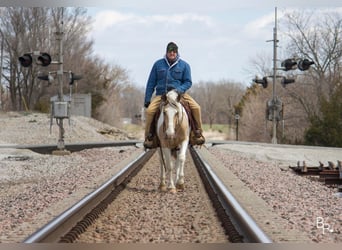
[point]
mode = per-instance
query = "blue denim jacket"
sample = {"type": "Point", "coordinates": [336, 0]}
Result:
{"type": "Point", "coordinates": [164, 77]}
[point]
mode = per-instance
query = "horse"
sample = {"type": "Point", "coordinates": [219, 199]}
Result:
{"type": "Point", "coordinates": [173, 132]}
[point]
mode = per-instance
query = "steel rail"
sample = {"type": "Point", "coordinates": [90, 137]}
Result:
{"type": "Point", "coordinates": [242, 221]}
{"type": "Point", "coordinates": [74, 147]}
{"type": "Point", "coordinates": [58, 227]}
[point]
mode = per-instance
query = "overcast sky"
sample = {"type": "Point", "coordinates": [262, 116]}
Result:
{"type": "Point", "coordinates": [218, 38]}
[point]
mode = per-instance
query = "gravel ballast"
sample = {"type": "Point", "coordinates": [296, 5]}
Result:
{"type": "Point", "coordinates": [34, 188]}
{"type": "Point", "coordinates": [301, 201]}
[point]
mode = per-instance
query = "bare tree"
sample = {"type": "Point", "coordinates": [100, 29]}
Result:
{"type": "Point", "coordinates": [319, 40]}
{"type": "Point", "coordinates": [131, 109]}
{"type": "Point", "coordinates": [203, 93]}
{"type": "Point", "coordinates": [25, 30]}
{"type": "Point", "coordinates": [217, 100]}
{"type": "Point", "coordinates": [228, 95]}
{"type": "Point", "coordinates": [259, 65]}
{"type": "Point", "coordinates": [110, 109]}
{"type": "Point", "coordinates": [316, 39]}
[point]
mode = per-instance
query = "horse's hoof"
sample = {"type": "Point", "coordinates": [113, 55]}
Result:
{"type": "Point", "coordinates": [172, 190]}
{"type": "Point", "coordinates": [162, 188]}
{"type": "Point", "coordinates": [180, 186]}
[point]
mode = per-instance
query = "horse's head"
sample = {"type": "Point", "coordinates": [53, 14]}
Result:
{"type": "Point", "coordinates": [172, 110]}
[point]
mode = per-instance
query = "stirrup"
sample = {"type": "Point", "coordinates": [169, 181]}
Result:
{"type": "Point", "coordinates": [150, 142]}
{"type": "Point", "coordinates": [198, 133]}
{"type": "Point", "coordinates": [197, 138]}
{"type": "Point", "coordinates": [149, 137]}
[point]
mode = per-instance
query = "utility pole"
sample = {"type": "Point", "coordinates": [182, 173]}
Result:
{"type": "Point", "coordinates": [274, 111]}
{"type": "Point", "coordinates": [237, 117]}
{"type": "Point", "coordinates": [274, 99]}
{"type": "Point", "coordinates": [59, 120]}
{"type": "Point", "coordinates": [60, 106]}
{"type": "Point", "coordinates": [1, 66]}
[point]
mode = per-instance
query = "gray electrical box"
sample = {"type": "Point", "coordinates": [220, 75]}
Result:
{"type": "Point", "coordinates": [277, 106]}
{"type": "Point", "coordinates": [81, 105]}
{"type": "Point", "coordinates": [60, 109]}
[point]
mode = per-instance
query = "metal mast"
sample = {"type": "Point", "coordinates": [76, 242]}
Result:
{"type": "Point", "coordinates": [59, 120]}
{"type": "Point", "coordinates": [275, 41]}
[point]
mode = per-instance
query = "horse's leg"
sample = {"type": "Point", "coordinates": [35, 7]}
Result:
{"type": "Point", "coordinates": [180, 165]}
{"type": "Point", "coordinates": [162, 185]}
{"type": "Point", "coordinates": [169, 168]}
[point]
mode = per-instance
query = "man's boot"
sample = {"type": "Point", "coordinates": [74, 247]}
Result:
{"type": "Point", "coordinates": [197, 138]}
{"type": "Point", "coordinates": [150, 141]}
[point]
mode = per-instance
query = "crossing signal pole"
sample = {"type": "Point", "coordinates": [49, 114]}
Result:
{"type": "Point", "coordinates": [60, 108]}
{"type": "Point", "coordinates": [274, 78]}
{"type": "Point", "coordinates": [60, 104]}
{"type": "Point", "coordinates": [274, 107]}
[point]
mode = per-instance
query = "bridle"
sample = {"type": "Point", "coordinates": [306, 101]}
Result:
{"type": "Point", "coordinates": [179, 114]}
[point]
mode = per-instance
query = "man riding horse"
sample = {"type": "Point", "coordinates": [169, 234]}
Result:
{"type": "Point", "coordinates": [169, 73]}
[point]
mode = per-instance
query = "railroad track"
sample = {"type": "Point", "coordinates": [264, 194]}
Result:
{"type": "Point", "coordinates": [237, 224]}
{"type": "Point", "coordinates": [329, 175]}
{"type": "Point", "coordinates": [72, 147]}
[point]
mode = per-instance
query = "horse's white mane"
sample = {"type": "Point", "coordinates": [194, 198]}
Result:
{"type": "Point", "coordinates": [172, 98]}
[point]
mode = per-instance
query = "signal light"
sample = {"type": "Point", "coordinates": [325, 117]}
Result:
{"type": "Point", "coordinates": [25, 60]}
{"type": "Point", "coordinates": [304, 64]}
{"type": "Point", "coordinates": [286, 81]}
{"type": "Point", "coordinates": [48, 78]}
{"type": "Point", "coordinates": [44, 77]}
{"type": "Point", "coordinates": [73, 77]}
{"type": "Point", "coordinates": [289, 64]}
{"type": "Point", "coordinates": [262, 81]}
{"type": "Point", "coordinates": [44, 59]}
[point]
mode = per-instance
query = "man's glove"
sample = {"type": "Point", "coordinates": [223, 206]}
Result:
{"type": "Point", "coordinates": [146, 104]}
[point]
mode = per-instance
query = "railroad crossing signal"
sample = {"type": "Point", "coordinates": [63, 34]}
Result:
{"type": "Point", "coordinates": [304, 64]}
{"type": "Point", "coordinates": [285, 81]}
{"type": "Point", "coordinates": [73, 77]}
{"type": "Point", "coordinates": [289, 64]}
{"type": "Point", "coordinates": [43, 59]}
{"type": "Point", "coordinates": [25, 60]}
{"type": "Point", "coordinates": [262, 81]}
{"type": "Point", "coordinates": [48, 78]}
